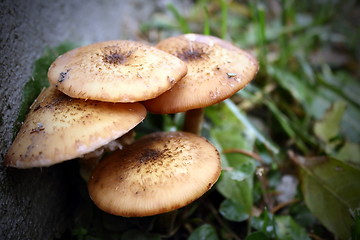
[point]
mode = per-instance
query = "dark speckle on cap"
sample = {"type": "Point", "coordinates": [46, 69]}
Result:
{"type": "Point", "coordinates": [116, 56]}
{"type": "Point", "coordinates": [188, 55]}
{"type": "Point", "coordinates": [63, 76]}
{"type": "Point", "coordinates": [149, 154]}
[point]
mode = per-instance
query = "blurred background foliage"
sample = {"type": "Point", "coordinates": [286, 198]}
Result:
{"type": "Point", "coordinates": [289, 141]}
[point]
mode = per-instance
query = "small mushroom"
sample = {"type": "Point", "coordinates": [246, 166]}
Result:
{"type": "Point", "coordinates": [116, 71]}
{"type": "Point", "coordinates": [158, 173]}
{"type": "Point", "coordinates": [60, 128]}
{"type": "Point", "coordinates": [216, 70]}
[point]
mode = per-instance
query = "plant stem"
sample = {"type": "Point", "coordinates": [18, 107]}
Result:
{"type": "Point", "coordinates": [282, 205]}
{"type": "Point", "coordinates": [246, 153]}
{"type": "Point", "coordinates": [193, 121]}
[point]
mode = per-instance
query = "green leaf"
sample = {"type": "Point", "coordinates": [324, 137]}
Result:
{"type": "Point", "coordinates": [329, 127]}
{"type": "Point", "coordinates": [341, 87]}
{"type": "Point", "coordinates": [265, 223]}
{"type": "Point", "coordinates": [80, 233]}
{"type": "Point", "coordinates": [257, 236]}
{"type": "Point", "coordinates": [350, 124]}
{"type": "Point", "coordinates": [169, 124]}
{"type": "Point", "coordinates": [233, 211]}
{"type": "Point", "coordinates": [328, 130]}
{"type": "Point", "coordinates": [349, 153]}
{"type": "Point", "coordinates": [355, 228]}
{"type": "Point", "coordinates": [279, 227]}
{"type": "Point", "coordinates": [204, 232]}
{"type": "Point", "coordinates": [237, 191]}
{"type": "Point", "coordinates": [331, 189]}
{"type": "Point", "coordinates": [236, 182]}
{"type": "Point", "coordinates": [302, 215]}
{"type": "Point", "coordinates": [287, 228]}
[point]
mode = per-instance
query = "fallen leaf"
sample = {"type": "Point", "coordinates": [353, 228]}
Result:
{"type": "Point", "coordinates": [331, 190]}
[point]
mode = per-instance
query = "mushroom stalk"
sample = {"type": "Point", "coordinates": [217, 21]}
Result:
{"type": "Point", "coordinates": [166, 223]}
{"type": "Point", "coordinates": [89, 161]}
{"type": "Point", "coordinates": [193, 121]}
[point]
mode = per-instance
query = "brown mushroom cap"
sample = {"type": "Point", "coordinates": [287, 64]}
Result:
{"type": "Point", "coordinates": [116, 71]}
{"type": "Point", "coordinates": [158, 173]}
{"type": "Point", "coordinates": [216, 70]}
{"type": "Point", "coordinates": [60, 128]}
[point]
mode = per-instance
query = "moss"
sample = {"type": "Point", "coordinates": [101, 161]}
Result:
{"type": "Point", "coordinates": [39, 79]}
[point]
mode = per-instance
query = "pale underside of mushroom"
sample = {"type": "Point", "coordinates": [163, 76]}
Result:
{"type": "Point", "coordinates": [90, 160]}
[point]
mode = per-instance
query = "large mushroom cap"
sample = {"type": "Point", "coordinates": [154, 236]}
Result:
{"type": "Point", "coordinates": [60, 128]}
{"type": "Point", "coordinates": [116, 71]}
{"type": "Point", "coordinates": [216, 70]}
{"type": "Point", "coordinates": [158, 173]}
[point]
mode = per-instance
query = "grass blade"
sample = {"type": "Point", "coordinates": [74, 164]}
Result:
{"type": "Point", "coordinates": [224, 18]}
{"type": "Point", "coordinates": [250, 127]}
{"type": "Point", "coordinates": [206, 22]}
{"type": "Point", "coordinates": [183, 25]}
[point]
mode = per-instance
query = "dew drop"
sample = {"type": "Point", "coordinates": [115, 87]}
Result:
{"type": "Point", "coordinates": [237, 79]}
{"type": "Point", "coordinates": [230, 75]}
{"type": "Point", "coordinates": [214, 95]}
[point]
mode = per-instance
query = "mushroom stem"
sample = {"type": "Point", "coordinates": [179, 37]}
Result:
{"type": "Point", "coordinates": [87, 165]}
{"type": "Point", "coordinates": [165, 223]}
{"type": "Point", "coordinates": [90, 160]}
{"type": "Point", "coordinates": [193, 120]}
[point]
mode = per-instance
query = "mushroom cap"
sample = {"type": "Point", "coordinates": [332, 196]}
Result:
{"type": "Point", "coordinates": [116, 71]}
{"type": "Point", "coordinates": [60, 128]}
{"type": "Point", "coordinates": [159, 172]}
{"type": "Point", "coordinates": [216, 70]}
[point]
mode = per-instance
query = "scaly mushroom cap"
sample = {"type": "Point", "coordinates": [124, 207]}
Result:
{"type": "Point", "coordinates": [216, 70]}
{"type": "Point", "coordinates": [158, 173]}
{"type": "Point", "coordinates": [116, 71]}
{"type": "Point", "coordinates": [60, 128]}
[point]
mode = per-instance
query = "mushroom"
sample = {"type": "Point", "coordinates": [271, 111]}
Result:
{"type": "Point", "coordinates": [116, 71]}
{"type": "Point", "coordinates": [60, 128]}
{"type": "Point", "coordinates": [158, 173]}
{"type": "Point", "coordinates": [216, 70]}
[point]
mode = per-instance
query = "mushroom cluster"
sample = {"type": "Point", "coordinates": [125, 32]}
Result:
{"type": "Point", "coordinates": [100, 92]}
